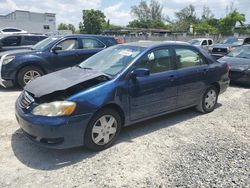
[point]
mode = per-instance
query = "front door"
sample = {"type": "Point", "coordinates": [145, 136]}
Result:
{"type": "Point", "coordinates": [157, 92]}
{"type": "Point", "coordinates": [67, 56]}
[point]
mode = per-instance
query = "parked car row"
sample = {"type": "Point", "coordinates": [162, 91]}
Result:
{"type": "Point", "coordinates": [98, 86]}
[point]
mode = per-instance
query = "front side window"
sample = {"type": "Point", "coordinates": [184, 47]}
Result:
{"type": "Point", "coordinates": [188, 58]}
{"type": "Point", "coordinates": [157, 61]}
{"type": "Point", "coordinates": [91, 43]}
{"type": "Point", "coordinates": [68, 44]}
{"type": "Point", "coordinates": [204, 42]}
{"type": "Point", "coordinates": [11, 41]}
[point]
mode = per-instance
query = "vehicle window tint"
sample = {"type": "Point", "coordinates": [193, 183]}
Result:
{"type": "Point", "coordinates": [11, 30]}
{"type": "Point", "coordinates": [11, 41]}
{"type": "Point", "coordinates": [188, 58]}
{"type": "Point", "coordinates": [91, 43]}
{"type": "Point", "coordinates": [157, 61]}
{"type": "Point", "coordinates": [69, 44]}
{"type": "Point", "coordinates": [210, 42]}
{"type": "Point", "coordinates": [30, 40]}
{"type": "Point", "coordinates": [204, 42]}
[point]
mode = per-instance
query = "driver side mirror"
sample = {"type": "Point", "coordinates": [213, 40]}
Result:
{"type": "Point", "coordinates": [139, 72]}
{"type": "Point", "coordinates": [56, 48]}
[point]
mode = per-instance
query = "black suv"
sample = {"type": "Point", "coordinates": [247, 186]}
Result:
{"type": "Point", "coordinates": [19, 41]}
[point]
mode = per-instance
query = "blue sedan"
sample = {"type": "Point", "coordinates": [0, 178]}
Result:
{"type": "Point", "coordinates": [89, 104]}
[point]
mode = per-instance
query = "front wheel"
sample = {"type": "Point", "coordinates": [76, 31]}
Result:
{"type": "Point", "coordinates": [102, 130]}
{"type": "Point", "coordinates": [28, 74]}
{"type": "Point", "coordinates": [208, 101]}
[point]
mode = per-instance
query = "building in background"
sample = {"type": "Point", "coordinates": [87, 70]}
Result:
{"type": "Point", "coordinates": [30, 21]}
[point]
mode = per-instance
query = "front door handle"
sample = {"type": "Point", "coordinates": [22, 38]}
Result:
{"type": "Point", "coordinates": [171, 78]}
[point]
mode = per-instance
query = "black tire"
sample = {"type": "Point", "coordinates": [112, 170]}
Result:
{"type": "Point", "coordinates": [203, 105]}
{"type": "Point", "coordinates": [88, 138]}
{"type": "Point", "coordinates": [23, 71]}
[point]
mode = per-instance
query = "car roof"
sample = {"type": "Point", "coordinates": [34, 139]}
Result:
{"type": "Point", "coordinates": [23, 34]}
{"type": "Point", "coordinates": [147, 44]}
{"type": "Point", "coordinates": [86, 35]}
{"type": "Point", "coordinates": [202, 38]}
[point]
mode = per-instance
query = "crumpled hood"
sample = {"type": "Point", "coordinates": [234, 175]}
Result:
{"type": "Point", "coordinates": [60, 80]}
{"type": "Point", "coordinates": [236, 63]}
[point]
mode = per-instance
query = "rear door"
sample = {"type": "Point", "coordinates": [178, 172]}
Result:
{"type": "Point", "coordinates": [156, 93]}
{"type": "Point", "coordinates": [192, 75]}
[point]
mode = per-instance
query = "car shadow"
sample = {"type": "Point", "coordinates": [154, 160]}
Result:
{"type": "Point", "coordinates": [37, 157]}
{"type": "Point", "coordinates": [240, 85]}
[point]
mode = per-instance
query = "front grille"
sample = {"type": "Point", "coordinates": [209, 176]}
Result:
{"type": "Point", "coordinates": [26, 100]}
{"type": "Point", "coordinates": [219, 50]}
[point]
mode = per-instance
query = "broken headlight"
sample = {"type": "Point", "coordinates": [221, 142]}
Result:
{"type": "Point", "coordinates": [8, 59]}
{"type": "Point", "coordinates": [57, 108]}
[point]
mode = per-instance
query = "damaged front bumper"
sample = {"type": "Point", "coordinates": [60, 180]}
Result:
{"type": "Point", "coordinates": [53, 132]}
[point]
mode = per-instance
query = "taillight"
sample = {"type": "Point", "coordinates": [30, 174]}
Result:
{"type": "Point", "coordinates": [228, 67]}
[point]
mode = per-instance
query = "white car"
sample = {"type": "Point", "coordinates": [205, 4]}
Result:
{"type": "Point", "coordinates": [11, 30]}
{"type": "Point", "coordinates": [204, 43]}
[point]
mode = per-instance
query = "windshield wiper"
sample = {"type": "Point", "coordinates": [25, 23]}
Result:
{"type": "Point", "coordinates": [86, 68]}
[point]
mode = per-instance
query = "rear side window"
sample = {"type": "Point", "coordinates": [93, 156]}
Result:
{"type": "Point", "coordinates": [204, 42]}
{"type": "Point", "coordinates": [11, 30]}
{"type": "Point", "coordinates": [30, 40]}
{"type": "Point", "coordinates": [11, 41]}
{"type": "Point", "coordinates": [88, 43]}
{"type": "Point", "coordinates": [157, 61]}
{"type": "Point", "coordinates": [210, 42]}
{"type": "Point", "coordinates": [188, 58]}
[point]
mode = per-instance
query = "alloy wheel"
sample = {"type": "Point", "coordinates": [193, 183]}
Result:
{"type": "Point", "coordinates": [30, 75]}
{"type": "Point", "coordinates": [104, 130]}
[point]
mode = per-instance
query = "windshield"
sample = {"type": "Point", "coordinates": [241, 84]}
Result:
{"type": "Point", "coordinates": [240, 52]}
{"type": "Point", "coordinates": [195, 42]}
{"type": "Point", "coordinates": [113, 59]}
{"type": "Point", "coordinates": [233, 41]}
{"type": "Point", "coordinates": [43, 44]}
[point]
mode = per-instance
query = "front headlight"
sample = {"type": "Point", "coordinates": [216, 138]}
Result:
{"type": "Point", "coordinates": [57, 108]}
{"type": "Point", "coordinates": [8, 59]}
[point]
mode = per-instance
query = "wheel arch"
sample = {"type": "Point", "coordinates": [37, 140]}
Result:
{"type": "Point", "coordinates": [115, 107]}
{"type": "Point", "coordinates": [217, 85]}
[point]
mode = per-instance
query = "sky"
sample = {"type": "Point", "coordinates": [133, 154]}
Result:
{"type": "Point", "coordinates": [70, 11]}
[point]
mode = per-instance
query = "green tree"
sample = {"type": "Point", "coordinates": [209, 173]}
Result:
{"type": "Point", "coordinates": [62, 26]}
{"type": "Point", "coordinates": [185, 18]}
{"type": "Point", "coordinates": [227, 24]}
{"type": "Point", "coordinates": [147, 15]}
{"type": "Point", "coordinates": [72, 28]}
{"type": "Point", "coordinates": [93, 21]}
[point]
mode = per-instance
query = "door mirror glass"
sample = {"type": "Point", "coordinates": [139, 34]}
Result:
{"type": "Point", "coordinates": [139, 72]}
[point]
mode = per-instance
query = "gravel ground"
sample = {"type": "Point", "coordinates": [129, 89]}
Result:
{"type": "Point", "coordinates": [183, 149]}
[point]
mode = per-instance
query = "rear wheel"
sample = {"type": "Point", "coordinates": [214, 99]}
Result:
{"type": "Point", "coordinates": [28, 74]}
{"type": "Point", "coordinates": [102, 130]}
{"type": "Point", "coordinates": [208, 101]}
